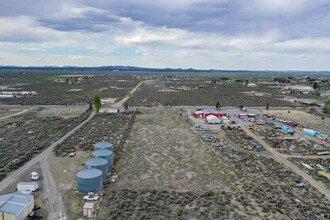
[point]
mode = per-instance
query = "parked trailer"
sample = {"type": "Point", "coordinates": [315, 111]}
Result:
{"type": "Point", "coordinates": [27, 186]}
{"type": "Point", "coordinates": [7, 96]}
{"type": "Point", "coordinates": [323, 153]}
{"type": "Point", "coordinates": [287, 130]}
{"type": "Point", "coordinates": [310, 132]}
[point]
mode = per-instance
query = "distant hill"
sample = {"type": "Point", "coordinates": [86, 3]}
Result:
{"type": "Point", "coordinates": [133, 68]}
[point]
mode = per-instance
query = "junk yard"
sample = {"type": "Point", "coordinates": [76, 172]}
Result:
{"type": "Point", "coordinates": [163, 145]}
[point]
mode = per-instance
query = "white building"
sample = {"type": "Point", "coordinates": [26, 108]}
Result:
{"type": "Point", "coordinates": [211, 119]}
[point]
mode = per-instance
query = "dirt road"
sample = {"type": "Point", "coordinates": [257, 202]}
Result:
{"type": "Point", "coordinates": [52, 196]}
{"type": "Point", "coordinates": [282, 158]}
{"type": "Point", "coordinates": [18, 113]}
{"type": "Point", "coordinates": [121, 102]}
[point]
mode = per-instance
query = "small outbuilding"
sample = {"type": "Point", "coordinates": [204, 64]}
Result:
{"type": "Point", "coordinates": [16, 206]}
{"type": "Point", "coordinates": [88, 209]}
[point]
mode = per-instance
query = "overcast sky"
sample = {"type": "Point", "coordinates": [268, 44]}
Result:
{"type": "Point", "coordinates": [204, 34]}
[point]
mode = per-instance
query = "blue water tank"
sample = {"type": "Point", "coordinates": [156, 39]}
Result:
{"type": "Point", "coordinates": [98, 163]}
{"type": "Point", "coordinates": [258, 148]}
{"type": "Point", "coordinates": [105, 154]}
{"type": "Point", "coordinates": [104, 145]}
{"type": "Point", "coordinates": [89, 180]}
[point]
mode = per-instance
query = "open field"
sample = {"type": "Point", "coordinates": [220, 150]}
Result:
{"type": "Point", "coordinates": [55, 91]}
{"type": "Point", "coordinates": [167, 171]}
{"type": "Point", "coordinates": [156, 93]}
{"type": "Point", "coordinates": [305, 119]}
{"type": "Point", "coordinates": [25, 135]}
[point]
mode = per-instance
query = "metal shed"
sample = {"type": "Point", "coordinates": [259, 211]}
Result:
{"type": "Point", "coordinates": [211, 119]}
{"type": "Point", "coordinates": [105, 154]}
{"type": "Point", "coordinates": [89, 180]}
{"type": "Point", "coordinates": [16, 206]}
{"type": "Point", "coordinates": [98, 163]}
{"type": "Point", "coordinates": [103, 145]}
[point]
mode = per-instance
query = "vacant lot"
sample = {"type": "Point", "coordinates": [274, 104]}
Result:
{"type": "Point", "coordinates": [113, 128]}
{"type": "Point", "coordinates": [304, 119]}
{"type": "Point", "coordinates": [25, 135]}
{"type": "Point", "coordinates": [163, 153]}
{"type": "Point", "coordinates": [171, 93]}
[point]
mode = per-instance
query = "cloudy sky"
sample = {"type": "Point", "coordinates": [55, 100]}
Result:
{"type": "Point", "coordinates": [204, 34]}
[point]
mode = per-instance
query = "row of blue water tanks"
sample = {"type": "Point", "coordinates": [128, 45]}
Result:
{"type": "Point", "coordinates": [96, 168]}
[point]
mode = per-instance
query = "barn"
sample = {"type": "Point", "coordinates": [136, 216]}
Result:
{"type": "Point", "coordinates": [198, 114]}
{"type": "Point", "coordinates": [206, 112]}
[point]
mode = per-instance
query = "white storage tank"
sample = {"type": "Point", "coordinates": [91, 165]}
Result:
{"type": "Point", "coordinates": [103, 145]}
{"type": "Point", "coordinates": [105, 154]}
{"type": "Point", "coordinates": [98, 163]}
{"type": "Point", "coordinates": [89, 180]}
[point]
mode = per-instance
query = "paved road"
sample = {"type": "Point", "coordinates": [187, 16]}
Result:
{"type": "Point", "coordinates": [120, 103]}
{"type": "Point", "coordinates": [52, 196]}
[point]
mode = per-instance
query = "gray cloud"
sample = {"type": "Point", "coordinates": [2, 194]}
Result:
{"type": "Point", "coordinates": [166, 28]}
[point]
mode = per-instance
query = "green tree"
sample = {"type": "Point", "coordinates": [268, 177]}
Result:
{"type": "Point", "coordinates": [217, 105]}
{"type": "Point", "coordinates": [247, 82]}
{"type": "Point", "coordinates": [267, 106]}
{"type": "Point", "coordinates": [125, 105]}
{"type": "Point", "coordinates": [326, 108]}
{"type": "Point", "coordinates": [67, 80]}
{"type": "Point", "coordinates": [315, 86]}
{"type": "Point", "coordinates": [97, 103]}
